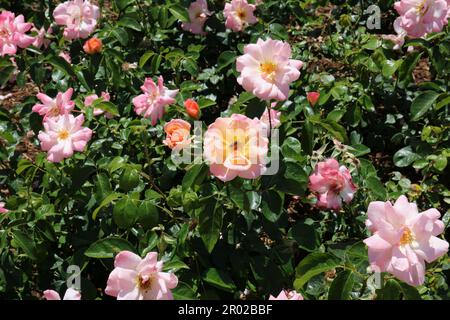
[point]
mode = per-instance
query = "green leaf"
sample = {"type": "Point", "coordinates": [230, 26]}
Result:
{"type": "Point", "coordinates": [130, 23]}
{"type": "Point", "coordinates": [406, 69]}
{"type": "Point", "coordinates": [210, 224]}
{"type": "Point", "coordinates": [394, 289]}
{"type": "Point", "coordinates": [271, 205]}
{"type": "Point", "coordinates": [225, 59]}
{"type": "Point", "coordinates": [306, 236]}
{"type": "Point", "coordinates": [106, 106]}
{"type": "Point", "coordinates": [179, 12]}
{"type": "Point", "coordinates": [108, 247]}
{"type": "Point", "coordinates": [129, 179]}
{"type": "Point", "coordinates": [422, 103]}
{"type": "Point", "coordinates": [110, 198]}
{"type": "Point", "coordinates": [219, 279]}
{"type": "Point", "coordinates": [313, 264]}
{"type": "Point", "coordinates": [404, 157]}
{"type": "Point", "coordinates": [125, 213]}
{"type": "Point", "coordinates": [102, 187]}
{"type": "Point", "coordinates": [122, 4]}
{"type": "Point", "coordinates": [376, 188]}
{"type": "Point", "coordinates": [291, 149]}
{"type": "Point", "coordinates": [148, 214]}
{"type": "Point", "coordinates": [62, 65]}
{"type": "Point", "coordinates": [5, 75]}
{"type": "Point", "coordinates": [121, 35]}
{"type": "Point", "coordinates": [341, 286]}
{"type": "Point", "coordinates": [26, 243]}
{"type": "Point", "coordinates": [143, 60]}
{"type": "Point", "coordinates": [194, 176]}
{"type": "Point", "coordinates": [334, 128]}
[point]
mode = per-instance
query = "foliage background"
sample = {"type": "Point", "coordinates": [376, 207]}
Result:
{"type": "Point", "coordinates": [389, 109]}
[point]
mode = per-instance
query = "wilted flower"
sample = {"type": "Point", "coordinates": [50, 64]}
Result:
{"type": "Point", "coordinates": [332, 184]}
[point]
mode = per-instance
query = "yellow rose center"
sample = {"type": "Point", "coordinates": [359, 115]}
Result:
{"type": "Point", "coordinates": [144, 284]}
{"type": "Point", "coordinates": [63, 134]}
{"type": "Point", "coordinates": [407, 237]}
{"type": "Point", "coordinates": [268, 69]}
{"type": "Point", "coordinates": [241, 14]}
{"type": "Point", "coordinates": [420, 8]}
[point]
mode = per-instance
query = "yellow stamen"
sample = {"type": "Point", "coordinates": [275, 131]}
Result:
{"type": "Point", "coordinates": [63, 134]}
{"type": "Point", "coordinates": [268, 69]}
{"type": "Point", "coordinates": [407, 237]}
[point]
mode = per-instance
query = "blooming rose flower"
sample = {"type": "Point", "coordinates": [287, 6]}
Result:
{"type": "Point", "coordinates": [66, 56]}
{"type": "Point", "coordinates": [79, 18]}
{"type": "Point", "coordinates": [198, 14]}
{"type": "Point", "coordinates": [287, 295]}
{"type": "Point", "coordinates": [40, 39]}
{"type": "Point", "coordinates": [151, 103]}
{"type": "Point", "coordinates": [50, 107]}
{"type": "Point", "coordinates": [332, 184]}
{"type": "Point", "coordinates": [89, 100]}
{"type": "Point", "coordinates": [178, 134]}
{"type": "Point", "coordinates": [274, 117]}
{"type": "Point", "coordinates": [93, 46]}
{"type": "Point", "coordinates": [421, 17]}
{"type": "Point", "coordinates": [313, 98]}
{"type": "Point", "coordinates": [267, 69]}
{"type": "Point", "coordinates": [2, 208]}
{"type": "Point", "coordinates": [236, 146]}
{"type": "Point", "coordinates": [399, 38]}
{"type": "Point", "coordinates": [192, 109]}
{"type": "Point", "coordinates": [403, 239]}
{"type": "Point", "coordinates": [12, 33]}
{"type": "Point", "coordinates": [134, 278]}
{"type": "Point", "coordinates": [70, 294]}
{"type": "Point", "coordinates": [239, 14]}
{"type": "Point", "coordinates": [64, 135]}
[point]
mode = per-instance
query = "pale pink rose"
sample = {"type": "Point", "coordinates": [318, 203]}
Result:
{"type": "Point", "coordinates": [89, 100]}
{"type": "Point", "coordinates": [178, 134]}
{"type": "Point", "coordinates": [274, 117]}
{"type": "Point", "coordinates": [2, 208]}
{"type": "Point", "coordinates": [236, 147]}
{"type": "Point", "coordinates": [403, 239]}
{"type": "Point", "coordinates": [267, 69]}
{"type": "Point", "coordinates": [12, 33]}
{"type": "Point", "coordinates": [421, 17]}
{"type": "Point", "coordinates": [151, 104]}
{"type": "Point", "coordinates": [198, 14]}
{"type": "Point", "coordinates": [399, 38]}
{"type": "Point", "coordinates": [53, 107]}
{"type": "Point", "coordinates": [239, 14]}
{"type": "Point", "coordinates": [40, 39]}
{"type": "Point", "coordinates": [287, 295]}
{"type": "Point", "coordinates": [332, 184]}
{"type": "Point", "coordinates": [134, 278]}
{"type": "Point", "coordinates": [66, 56]}
{"type": "Point", "coordinates": [71, 294]}
{"type": "Point", "coordinates": [78, 17]}
{"type": "Point", "coordinates": [64, 135]}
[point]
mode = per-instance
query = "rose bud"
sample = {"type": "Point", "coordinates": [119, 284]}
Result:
{"type": "Point", "coordinates": [93, 46]}
{"type": "Point", "coordinates": [192, 109]}
{"type": "Point", "coordinates": [313, 97]}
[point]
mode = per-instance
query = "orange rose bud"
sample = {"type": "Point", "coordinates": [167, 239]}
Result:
{"type": "Point", "coordinates": [313, 97]}
{"type": "Point", "coordinates": [192, 109]}
{"type": "Point", "coordinates": [93, 46]}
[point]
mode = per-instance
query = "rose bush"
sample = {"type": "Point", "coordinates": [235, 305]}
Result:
{"type": "Point", "coordinates": [314, 145]}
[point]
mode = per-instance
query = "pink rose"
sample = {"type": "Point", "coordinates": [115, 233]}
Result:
{"type": "Point", "coordinates": [2, 208]}
{"type": "Point", "coordinates": [134, 278]}
{"type": "Point", "coordinates": [12, 33]}
{"type": "Point", "coordinates": [239, 14]}
{"type": "Point", "coordinates": [40, 39]}
{"type": "Point", "coordinates": [287, 295]}
{"type": "Point", "coordinates": [332, 184]}
{"type": "Point", "coordinates": [403, 239]}
{"type": "Point", "coordinates": [64, 135]}
{"type": "Point", "coordinates": [89, 100]}
{"type": "Point", "coordinates": [50, 107]}
{"type": "Point", "coordinates": [151, 104]}
{"type": "Point", "coordinates": [70, 294]}
{"type": "Point", "coordinates": [236, 147]}
{"type": "Point", "coordinates": [78, 17]}
{"type": "Point", "coordinates": [66, 56]}
{"type": "Point", "coordinates": [421, 17]}
{"type": "Point", "coordinates": [177, 134]}
{"type": "Point", "coordinates": [198, 14]}
{"type": "Point", "coordinates": [399, 38]}
{"type": "Point", "coordinates": [267, 69]}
